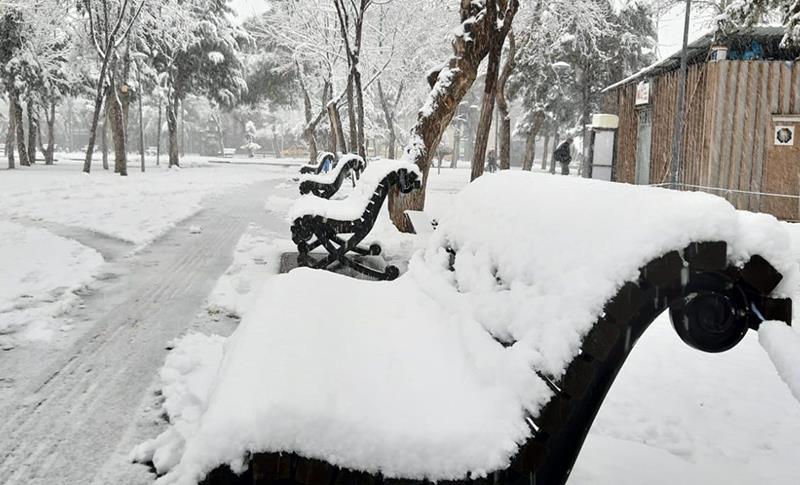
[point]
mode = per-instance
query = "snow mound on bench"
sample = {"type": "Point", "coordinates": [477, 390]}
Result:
{"type": "Point", "coordinates": [408, 378]}
{"type": "Point", "coordinates": [351, 208]}
{"type": "Point", "coordinates": [330, 176]}
{"type": "Point", "coordinates": [328, 382]}
{"type": "Point", "coordinates": [538, 256]}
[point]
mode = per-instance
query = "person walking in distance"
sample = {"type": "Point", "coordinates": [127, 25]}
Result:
{"type": "Point", "coordinates": [491, 161]}
{"type": "Point", "coordinates": [563, 155]}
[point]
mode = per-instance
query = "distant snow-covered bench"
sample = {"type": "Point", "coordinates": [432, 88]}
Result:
{"type": "Point", "coordinates": [326, 184]}
{"type": "Point", "coordinates": [228, 152]}
{"type": "Point", "coordinates": [487, 361]}
{"type": "Point", "coordinates": [318, 167]}
{"type": "Point", "coordinates": [322, 223]}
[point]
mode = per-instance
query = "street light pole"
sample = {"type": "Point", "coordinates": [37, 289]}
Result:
{"type": "Point", "coordinates": [677, 134]}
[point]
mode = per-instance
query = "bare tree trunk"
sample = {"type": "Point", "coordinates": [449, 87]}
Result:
{"type": "Point", "coordinates": [51, 134]}
{"type": "Point", "coordinates": [586, 94]}
{"type": "Point", "coordinates": [215, 116]}
{"type": "Point", "coordinates": [468, 52]}
{"type": "Point", "coordinates": [180, 111]}
{"type": "Point", "coordinates": [456, 146]}
{"type": "Point", "coordinates": [553, 158]}
{"type": "Point", "coordinates": [389, 116]}
{"type": "Point", "coordinates": [10, 135]}
{"type": "Point", "coordinates": [487, 104]}
{"type": "Point", "coordinates": [158, 136]}
{"type": "Point", "coordinates": [276, 147]}
{"type": "Point", "coordinates": [311, 124]}
{"type": "Point", "coordinates": [32, 129]}
{"type": "Point", "coordinates": [502, 103]}
{"type": "Point", "coordinates": [22, 151]}
{"type": "Point", "coordinates": [351, 113]}
{"type": "Point", "coordinates": [98, 105]}
{"type": "Point", "coordinates": [544, 149]}
{"type": "Point", "coordinates": [530, 151]}
{"type": "Point", "coordinates": [69, 128]}
{"type": "Point", "coordinates": [118, 132]}
{"type": "Point", "coordinates": [339, 143]}
{"type": "Point", "coordinates": [104, 136]}
{"type": "Point", "coordinates": [141, 120]}
{"type": "Point", "coordinates": [123, 93]}
{"type": "Point", "coordinates": [362, 149]}
{"type": "Point", "coordinates": [172, 128]}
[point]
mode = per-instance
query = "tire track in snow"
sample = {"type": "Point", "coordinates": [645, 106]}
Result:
{"type": "Point", "coordinates": [73, 414]}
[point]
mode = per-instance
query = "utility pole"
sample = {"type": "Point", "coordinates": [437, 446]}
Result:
{"type": "Point", "coordinates": [677, 134]}
{"type": "Point", "coordinates": [140, 94]}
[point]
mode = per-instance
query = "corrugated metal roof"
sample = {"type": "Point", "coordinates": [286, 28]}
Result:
{"type": "Point", "coordinates": [698, 50]}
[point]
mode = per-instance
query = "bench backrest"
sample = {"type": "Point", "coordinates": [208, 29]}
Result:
{"type": "Point", "coordinates": [367, 197]}
{"type": "Point", "coordinates": [327, 184]}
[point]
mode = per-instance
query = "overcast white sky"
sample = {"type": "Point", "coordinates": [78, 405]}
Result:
{"type": "Point", "coordinates": [670, 31]}
{"type": "Point", "coordinates": [670, 28]}
{"type": "Point", "coordinates": [246, 8]}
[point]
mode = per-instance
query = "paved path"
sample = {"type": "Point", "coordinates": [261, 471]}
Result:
{"type": "Point", "coordinates": [66, 420]}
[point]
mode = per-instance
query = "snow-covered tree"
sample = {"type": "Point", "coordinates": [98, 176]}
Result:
{"type": "Point", "coordinates": [108, 24]}
{"type": "Point", "coordinates": [483, 25]}
{"type": "Point", "coordinates": [195, 48]}
{"type": "Point", "coordinates": [746, 13]}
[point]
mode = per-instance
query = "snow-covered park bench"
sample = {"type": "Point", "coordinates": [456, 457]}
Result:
{"type": "Point", "coordinates": [487, 361]}
{"type": "Point", "coordinates": [322, 157]}
{"type": "Point", "coordinates": [339, 226]}
{"type": "Point", "coordinates": [325, 185]}
{"type": "Point", "coordinates": [228, 152]}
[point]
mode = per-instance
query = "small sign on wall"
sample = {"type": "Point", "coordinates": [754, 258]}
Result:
{"type": "Point", "coordinates": [642, 93]}
{"type": "Point", "coordinates": [784, 135]}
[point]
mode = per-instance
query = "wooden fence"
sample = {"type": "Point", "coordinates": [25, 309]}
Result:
{"type": "Point", "coordinates": [728, 142]}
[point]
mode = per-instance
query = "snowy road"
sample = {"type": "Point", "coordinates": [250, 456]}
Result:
{"type": "Point", "coordinates": [63, 421]}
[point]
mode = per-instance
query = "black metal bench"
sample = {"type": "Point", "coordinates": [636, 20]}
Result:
{"type": "Point", "coordinates": [711, 303]}
{"type": "Point", "coordinates": [321, 159]}
{"type": "Point", "coordinates": [326, 185]}
{"type": "Point", "coordinates": [311, 231]}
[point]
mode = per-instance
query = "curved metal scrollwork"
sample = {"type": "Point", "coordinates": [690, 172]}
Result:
{"type": "Point", "coordinates": [354, 166]}
{"type": "Point", "coordinates": [312, 231]}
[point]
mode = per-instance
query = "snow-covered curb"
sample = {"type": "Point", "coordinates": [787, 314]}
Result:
{"type": "Point", "coordinates": [186, 380]}
{"type": "Point", "coordinates": [255, 259]}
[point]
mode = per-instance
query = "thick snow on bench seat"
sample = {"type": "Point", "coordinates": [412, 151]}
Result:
{"type": "Point", "coordinates": [330, 176]}
{"type": "Point", "coordinates": [351, 208]}
{"type": "Point", "coordinates": [406, 377]}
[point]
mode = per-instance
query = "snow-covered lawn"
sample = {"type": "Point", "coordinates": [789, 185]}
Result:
{"type": "Point", "coordinates": [678, 415]}
{"type": "Point", "coordinates": [39, 273]}
{"type": "Point", "coordinates": [137, 208]}
{"type": "Point", "coordinates": [40, 270]}
{"type": "Point", "coordinates": [674, 415]}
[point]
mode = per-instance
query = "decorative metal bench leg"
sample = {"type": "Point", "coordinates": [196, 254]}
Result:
{"type": "Point", "coordinates": [390, 273]}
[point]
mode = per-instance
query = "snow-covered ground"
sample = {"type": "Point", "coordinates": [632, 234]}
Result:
{"type": "Point", "coordinates": [674, 415]}
{"type": "Point", "coordinates": [40, 272]}
{"type": "Point", "coordinates": [137, 208]}
{"type": "Point", "coordinates": [68, 403]}
{"type": "Point", "coordinates": [46, 212]}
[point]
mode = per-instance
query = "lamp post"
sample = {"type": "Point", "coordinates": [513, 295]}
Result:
{"type": "Point", "coordinates": [677, 134]}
